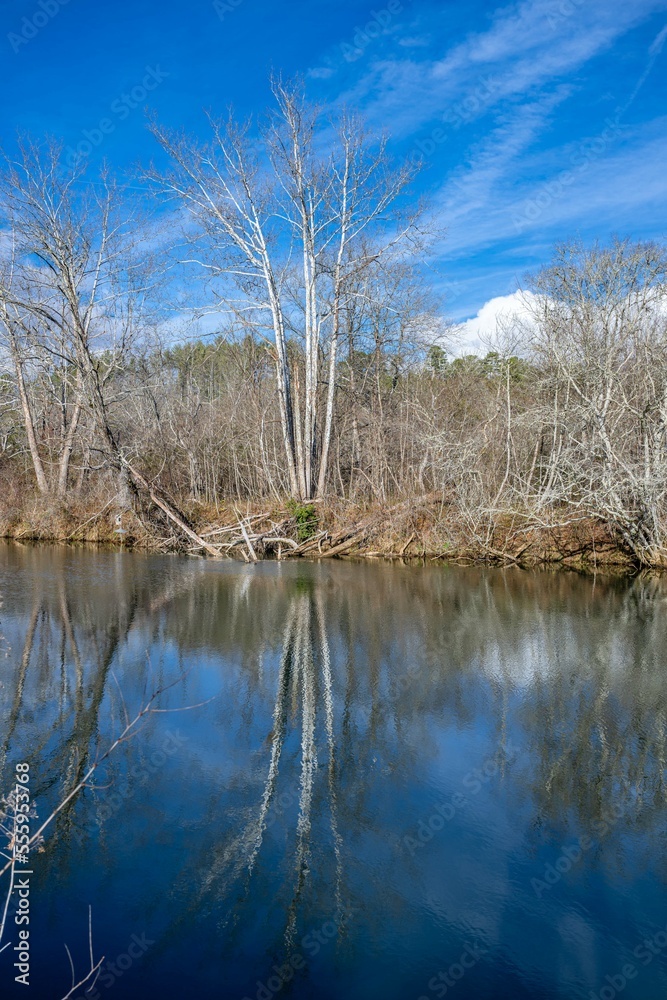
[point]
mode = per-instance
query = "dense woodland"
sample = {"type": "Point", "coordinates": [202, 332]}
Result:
{"type": "Point", "coordinates": [328, 392]}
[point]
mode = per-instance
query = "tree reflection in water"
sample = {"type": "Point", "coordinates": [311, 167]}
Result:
{"type": "Point", "coordinates": [298, 784]}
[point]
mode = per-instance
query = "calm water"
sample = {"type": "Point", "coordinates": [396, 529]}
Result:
{"type": "Point", "coordinates": [388, 782]}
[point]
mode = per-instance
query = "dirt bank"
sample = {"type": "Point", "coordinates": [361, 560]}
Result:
{"type": "Point", "coordinates": [412, 528]}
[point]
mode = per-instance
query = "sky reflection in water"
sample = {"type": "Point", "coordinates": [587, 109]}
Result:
{"type": "Point", "coordinates": [410, 782]}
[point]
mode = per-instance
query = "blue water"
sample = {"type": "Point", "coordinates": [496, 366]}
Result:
{"type": "Point", "coordinates": [363, 781]}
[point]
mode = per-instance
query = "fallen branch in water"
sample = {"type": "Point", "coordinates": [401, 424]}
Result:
{"type": "Point", "coordinates": [131, 729]}
{"type": "Point", "coordinates": [94, 966]}
{"type": "Point", "coordinates": [246, 539]}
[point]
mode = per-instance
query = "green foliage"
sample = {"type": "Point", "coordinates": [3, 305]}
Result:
{"type": "Point", "coordinates": [437, 360]}
{"type": "Point", "coordinates": [306, 519]}
{"type": "Point", "coordinates": [205, 367]}
{"type": "Point", "coordinates": [492, 366]}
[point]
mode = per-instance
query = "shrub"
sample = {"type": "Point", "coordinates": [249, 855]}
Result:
{"type": "Point", "coordinates": [306, 519]}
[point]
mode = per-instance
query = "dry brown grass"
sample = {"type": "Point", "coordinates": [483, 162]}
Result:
{"type": "Point", "coordinates": [411, 528]}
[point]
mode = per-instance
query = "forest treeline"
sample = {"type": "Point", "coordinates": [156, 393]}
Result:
{"type": "Point", "coordinates": [328, 392]}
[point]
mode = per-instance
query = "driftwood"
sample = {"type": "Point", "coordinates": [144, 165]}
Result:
{"type": "Point", "coordinates": [175, 516]}
{"type": "Point", "coordinates": [209, 533]}
{"type": "Point", "coordinates": [246, 539]}
{"type": "Point", "coordinates": [310, 544]}
{"type": "Point", "coordinates": [342, 547]}
{"type": "Point", "coordinates": [281, 540]}
{"type": "Point", "coordinates": [253, 536]}
{"type": "Point", "coordinates": [409, 542]}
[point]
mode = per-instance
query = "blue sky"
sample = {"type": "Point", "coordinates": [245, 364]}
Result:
{"type": "Point", "coordinates": [535, 121]}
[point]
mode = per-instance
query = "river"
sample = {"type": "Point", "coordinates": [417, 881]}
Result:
{"type": "Point", "coordinates": [355, 780]}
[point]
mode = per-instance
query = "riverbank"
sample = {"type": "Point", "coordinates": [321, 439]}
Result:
{"type": "Point", "coordinates": [422, 527]}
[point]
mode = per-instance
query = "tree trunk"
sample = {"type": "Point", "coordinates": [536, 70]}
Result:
{"type": "Point", "coordinates": [68, 447]}
{"type": "Point", "coordinates": [328, 420]}
{"type": "Point", "coordinates": [42, 483]}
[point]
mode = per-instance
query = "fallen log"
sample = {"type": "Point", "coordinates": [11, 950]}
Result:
{"type": "Point", "coordinates": [170, 511]}
{"type": "Point", "coordinates": [311, 543]}
{"type": "Point", "coordinates": [246, 537]}
{"type": "Point", "coordinates": [279, 539]}
{"type": "Point", "coordinates": [409, 542]}
{"type": "Point", "coordinates": [232, 527]}
{"type": "Point", "coordinates": [345, 546]}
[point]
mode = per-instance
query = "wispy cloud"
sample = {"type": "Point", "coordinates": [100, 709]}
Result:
{"type": "Point", "coordinates": [524, 49]}
{"type": "Point", "coordinates": [557, 141]}
{"type": "Point", "coordinates": [474, 183]}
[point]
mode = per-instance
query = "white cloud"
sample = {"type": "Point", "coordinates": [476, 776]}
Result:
{"type": "Point", "coordinates": [476, 335]}
{"type": "Point", "coordinates": [491, 328]}
{"type": "Point", "coordinates": [471, 186]}
{"type": "Point", "coordinates": [415, 41]}
{"type": "Point", "coordinates": [321, 72]}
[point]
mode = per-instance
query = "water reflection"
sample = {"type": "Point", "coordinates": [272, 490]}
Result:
{"type": "Point", "coordinates": [351, 704]}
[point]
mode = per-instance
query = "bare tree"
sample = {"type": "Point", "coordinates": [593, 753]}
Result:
{"type": "Point", "coordinates": [600, 335]}
{"type": "Point", "coordinates": [83, 280]}
{"type": "Point", "coordinates": [13, 326]}
{"type": "Point", "coordinates": [319, 190]}
{"type": "Point", "coordinates": [60, 287]}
